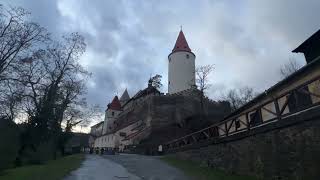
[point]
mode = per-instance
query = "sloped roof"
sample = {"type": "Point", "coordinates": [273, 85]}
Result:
{"type": "Point", "coordinates": [313, 39]}
{"type": "Point", "coordinates": [98, 124]}
{"type": "Point", "coordinates": [144, 92]}
{"type": "Point", "coordinates": [115, 104]}
{"type": "Point", "coordinates": [181, 43]}
{"type": "Point", "coordinates": [125, 96]}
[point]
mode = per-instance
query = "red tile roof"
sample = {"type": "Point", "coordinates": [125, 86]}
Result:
{"type": "Point", "coordinates": [181, 44]}
{"type": "Point", "coordinates": [115, 104]}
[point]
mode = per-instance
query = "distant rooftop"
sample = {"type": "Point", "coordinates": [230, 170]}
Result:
{"type": "Point", "coordinates": [310, 47]}
{"type": "Point", "coordinates": [115, 104]}
{"type": "Point", "coordinates": [97, 124]}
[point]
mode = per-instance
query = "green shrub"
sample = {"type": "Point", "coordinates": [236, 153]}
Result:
{"type": "Point", "coordinates": [51, 170]}
{"type": "Point", "coordinates": [9, 146]}
{"type": "Point", "coordinates": [43, 153]}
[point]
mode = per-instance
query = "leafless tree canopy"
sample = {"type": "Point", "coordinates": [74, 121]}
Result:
{"type": "Point", "coordinates": [202, 75]}
{"type": "Point", "coordinates": [53, 81]}
{"type": "Point", "coordinates": [17, 37]}
{"type": "Point", "coordinates": [41, 78]}
{"type": "Point", "coordinates": [290, 67]}
{"type": "Point", "coordinates": [239, 97]}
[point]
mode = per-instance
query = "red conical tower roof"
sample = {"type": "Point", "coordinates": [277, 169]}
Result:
{"type": "Point", "coordinates": [115, 104]}
{"type": "Point", "coordinates": [181, 43]}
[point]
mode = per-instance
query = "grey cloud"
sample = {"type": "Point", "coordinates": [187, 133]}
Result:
{"type": "Point", "coordinates": [294, 20]}
{"type": "Point", "coordinates": [129, 40]}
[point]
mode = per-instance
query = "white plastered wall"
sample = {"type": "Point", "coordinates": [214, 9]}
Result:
{"type": "Point", "coordinates": [181, 72]}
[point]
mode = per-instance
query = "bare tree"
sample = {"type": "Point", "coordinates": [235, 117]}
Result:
{"type": "Point", "coordinates": [80, 115]}
{"type": "Point", "coordinates": [239, 97]}
{"type": "Point", "coordinates": [10, 98]}
{"type": "Point", "coordinates": [202, 75]}
{"type": "Point", "coordinates": [290, 67]}
{"type": "Point", "coordinates": [41, 78]}
{"type": "Point", "coordinates": [53, 82]}
{"type": "Point", "coordinates": [17, 37]}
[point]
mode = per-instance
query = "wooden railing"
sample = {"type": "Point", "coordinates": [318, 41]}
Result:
{"type": "Point", "coordinates": [302, 98]}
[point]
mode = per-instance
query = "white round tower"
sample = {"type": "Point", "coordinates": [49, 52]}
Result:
{"type": "Point", "coordinates": [181, 72]}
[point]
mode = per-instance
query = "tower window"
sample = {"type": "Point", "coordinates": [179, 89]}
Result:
{"type": "Point", "coordinates": [169, 82]}
{"type": "Point", "coordinates": [187, 56]}
{"type": "Point", "coordinates": [169, 59]}
{"type": "Point", "coordinates": [112, 113]}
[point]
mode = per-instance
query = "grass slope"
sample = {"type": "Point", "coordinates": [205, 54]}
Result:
{"type": "Point", "coordinates": [202, 173]}
{"type": "Point", "coordinates": [52, 170]}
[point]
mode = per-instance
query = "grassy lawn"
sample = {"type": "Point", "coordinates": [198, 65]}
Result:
{"type": "Point", "coordinates": [202, 173]}
{"type": "Point", "coordinates": [52, 170]}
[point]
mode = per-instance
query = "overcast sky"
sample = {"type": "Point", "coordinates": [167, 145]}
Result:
{"type": "Point", "coordinates": [129, 40]}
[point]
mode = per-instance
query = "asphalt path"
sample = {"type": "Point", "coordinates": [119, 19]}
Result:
{"type": "Point", "coordinates": [125, 167]}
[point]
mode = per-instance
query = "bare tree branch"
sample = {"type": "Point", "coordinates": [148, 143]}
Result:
{"type": "Point", "coordinates": [290, 67]}
{"type": "Point", "coordinates": [239, 97]}
{"type": "Point", "coordinates": [202, 75]}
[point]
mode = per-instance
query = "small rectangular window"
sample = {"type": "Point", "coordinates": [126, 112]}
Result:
{"type": "Point", "coordinates": [255, 118]}
{"type": "Point", "coordinates": [237, 123]}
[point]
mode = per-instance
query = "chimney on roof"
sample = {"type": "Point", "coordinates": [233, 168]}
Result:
{"type": "Point", "coordinates": [310, 47]}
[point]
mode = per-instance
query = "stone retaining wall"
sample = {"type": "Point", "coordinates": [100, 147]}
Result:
{"type": "Point", "coordinates": [289, 153]}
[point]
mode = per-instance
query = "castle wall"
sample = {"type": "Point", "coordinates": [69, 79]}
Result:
{"type": "Point", "coordinates": [167, 117]}
{"type": "Point", "coordinates": [168, 110]}
{"type": "Point", "coordinates": [153, 116]}
{"type": "Point", "coordinates": [275, 136]}
{"type": "Point", "coordinates": [124, 132]}
{"type": "Point", "coordinates": [291, 153]}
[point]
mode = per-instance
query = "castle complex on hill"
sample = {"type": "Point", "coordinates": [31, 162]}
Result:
{"type": "Point", "coordinates": [152, 116]}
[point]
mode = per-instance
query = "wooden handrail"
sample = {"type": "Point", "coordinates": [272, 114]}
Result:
{"type": "Point", "coordinates": [278, 115]}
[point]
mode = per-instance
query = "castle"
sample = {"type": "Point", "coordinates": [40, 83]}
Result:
{"type": "Point", "coordinates": [152, 116]}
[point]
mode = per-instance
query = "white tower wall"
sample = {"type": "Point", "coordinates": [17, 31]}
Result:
{"type": "Point", "coordinates": [181, 73]}
{"type": "Point", "coordinates": [109, 119]}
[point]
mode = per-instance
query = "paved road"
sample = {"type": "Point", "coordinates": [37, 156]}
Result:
{"type": "Point", "coordinates": [125, 167]}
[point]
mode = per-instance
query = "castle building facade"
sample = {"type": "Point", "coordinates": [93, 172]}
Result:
{"type": "Point", "coordinates": [119, 127]}
{"type": "Point", "coordinates": [128, 121]}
